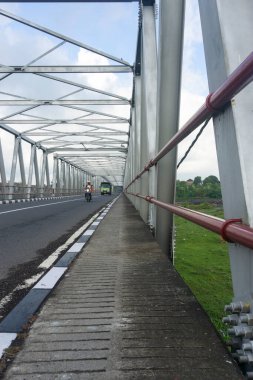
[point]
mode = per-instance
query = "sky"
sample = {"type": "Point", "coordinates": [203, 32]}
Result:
{"type": "Point", "coordinates": [111, 28]}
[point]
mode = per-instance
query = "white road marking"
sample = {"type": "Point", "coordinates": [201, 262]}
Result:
{"type": "Point", "coordinates": [48, 204]}
{"type": "Point", "coordinates": [76, 247]}
{"type": "Point", "coordinates": [5, 341]}
{"type": "Point", "coordinates": [50, 279]}
{"type": "Point", "coordinates": [53, 257]}
{"type": "Point", "coordinates": [46, 263]}
{"type": "Point", "coordinates": [95, 223]}
{"type": "Point", "coordinates": [88, 232]}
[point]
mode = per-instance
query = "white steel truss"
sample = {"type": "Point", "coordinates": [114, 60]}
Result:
{"type": "Point", "coordinates": [79, 122]}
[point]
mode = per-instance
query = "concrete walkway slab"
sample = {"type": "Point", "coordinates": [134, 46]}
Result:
{"type": "Point", "coordinates": [122, 312]}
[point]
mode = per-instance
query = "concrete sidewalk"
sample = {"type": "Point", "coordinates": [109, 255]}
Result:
{"type": "Point", "coordinates": [122, 312]}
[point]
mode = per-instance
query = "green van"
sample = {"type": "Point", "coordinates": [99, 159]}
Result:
{"type": "Point", "coordinates": [105, 188]}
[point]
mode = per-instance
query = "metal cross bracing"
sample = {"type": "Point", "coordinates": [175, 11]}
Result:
{"type": "Point", "coordinates": [82, 128]}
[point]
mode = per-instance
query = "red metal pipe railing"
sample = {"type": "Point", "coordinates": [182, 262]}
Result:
{"type": "Point", "coordinates": [239, 79]}
{"type": "Point", "coordinates": [232, 230]}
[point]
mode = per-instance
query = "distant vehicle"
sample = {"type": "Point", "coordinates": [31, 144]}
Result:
{"type": "Point", "coordinates": [106, 188]}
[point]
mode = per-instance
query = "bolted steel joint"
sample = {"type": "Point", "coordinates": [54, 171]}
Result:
{"type": "Point", "coordinates": [246, 358]}
{"type": "Point", "coordinates": [247, 318]}
{"type": "Point", "coordinates": [248, 346]}
{"type": "Point", "coordinates": [231, 319]}
{"type": "Point", "coordinates": [243, 331]}
{"type": "Point", "coordinates": [238, 307]}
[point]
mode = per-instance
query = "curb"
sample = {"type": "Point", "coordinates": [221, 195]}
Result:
{"type": "Point", "coordinates": [13, 323]}
{"type": "Point", "coordinates": [35, 199]}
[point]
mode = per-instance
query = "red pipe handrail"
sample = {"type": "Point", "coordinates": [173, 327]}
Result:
{"type": "Point", "coordinates": [236, 81]}
{"type": "Point", "coordinates": [232, 230]}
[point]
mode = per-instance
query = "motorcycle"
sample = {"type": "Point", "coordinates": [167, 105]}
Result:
{"type": "Point", "coordinates": [88, 195]}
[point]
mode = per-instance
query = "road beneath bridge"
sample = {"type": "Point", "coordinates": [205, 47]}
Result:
{"type": "Point", "coordinates": [30, 233]}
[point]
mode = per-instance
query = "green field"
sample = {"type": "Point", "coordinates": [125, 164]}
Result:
{"type": "Point", "coordinates": [202, 260]}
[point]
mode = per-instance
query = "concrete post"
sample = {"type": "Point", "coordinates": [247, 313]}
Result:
{"type": "Point", "coordinates": [169, 81]}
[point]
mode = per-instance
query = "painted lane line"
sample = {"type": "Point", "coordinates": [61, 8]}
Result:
{"type": "Point", "coordinates": [48, 204]}
{"type": "Point", "coordinates": [54, 256]}
{"type": "Point", "coordinates": [5, 341]}
{"type": "Point", "coordinates": [46, 264]}
{"type": "Point", "coordinates": [50, 279]}
{"type": "Point", "coordinates": [31, 302]}
{"type": "Point", "coordinates": [76, 247]}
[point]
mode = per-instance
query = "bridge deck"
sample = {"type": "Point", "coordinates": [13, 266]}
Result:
{"type": "Point", "coordinates": [122, 312]}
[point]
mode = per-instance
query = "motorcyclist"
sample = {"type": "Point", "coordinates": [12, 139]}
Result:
{"type": "Point", "coordinates": [88, 189]}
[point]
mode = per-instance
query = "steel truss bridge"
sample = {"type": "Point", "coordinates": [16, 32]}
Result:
{"type": "Point", "coordinates": [139, 150]}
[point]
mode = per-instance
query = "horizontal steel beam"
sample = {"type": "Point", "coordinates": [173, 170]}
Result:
{"type": "Point", "coordinates": [73, 102]}
{"type": "Point", "coordinates": [79, 121]}
{"type": "Point", "coordinates": [64, 134]}
{"type": "Point", "coordinates": [66, 149]}
{"type": "Point", "coordinates": [90, 156]}
{"type": "Point", "coordinates": [65, 69]}
{"type": "Point", "coordinates": [77, 1]}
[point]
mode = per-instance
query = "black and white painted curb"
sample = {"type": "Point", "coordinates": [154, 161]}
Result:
{"type": "Point", "coordinates": [36, 199]}
{"type": "Point", "coordinates": [13, 323]}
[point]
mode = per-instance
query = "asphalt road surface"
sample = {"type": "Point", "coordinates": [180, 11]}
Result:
{"type": "Point", "coordinates": [31, 231]}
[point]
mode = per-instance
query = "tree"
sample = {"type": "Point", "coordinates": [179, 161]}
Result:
{"type": "Point", "coordinates": [211, 179]}
{"type": "Point", "coordinates": [197, 181]}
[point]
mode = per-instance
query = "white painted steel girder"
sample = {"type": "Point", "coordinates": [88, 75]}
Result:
{"type": "Point", "coordinates": [169, 85]}
{"type": "Point", "coordinates": [65, 69]}
{"type": "Point", "coordinates": [225, 48]}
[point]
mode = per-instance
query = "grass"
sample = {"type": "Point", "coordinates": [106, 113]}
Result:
{"type": "Point", "coordinates": [203, 262]}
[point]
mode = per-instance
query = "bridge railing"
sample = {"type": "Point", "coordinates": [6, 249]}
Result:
{"type": "Point", "coordinates": [25, 192]}
{"type": "Point", "coordinates": [150, 176]}
{"type": "Point", "coordinates": [215, 103]}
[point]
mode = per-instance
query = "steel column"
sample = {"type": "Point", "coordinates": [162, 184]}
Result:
{"type": "Point", "coordinates": [2, 170]}
{"type": "Point", "coordinates": [137, 147]}
{"type": "Point", "coordinates": [149, 106]}
{"type": "Point", "coordinates": [224, 51]}
{"type": "Point", "coordinates": [42, 174]}
{"type": "Point", "coordinates": [30, 173]}
{"type": "Point", "coordinates": [47, 175]}
{"type": "Point", "coordinates": [133, 156]}
{"type": "Point", "coordinates": [54, 184]}
{"type": "Point", "coordinates": [14, 167]}
{"type": "Point", "coordinates": [169, 82]}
